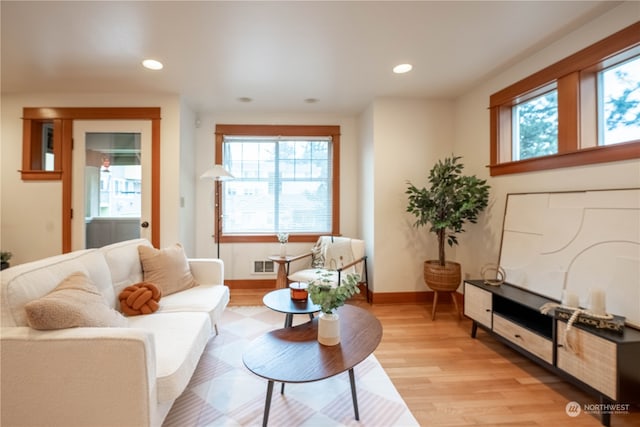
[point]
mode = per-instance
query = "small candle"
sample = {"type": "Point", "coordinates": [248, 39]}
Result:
{"type": "Point", "coordinates": [298, 291]}
{"type": "Point", "coordinates": [598, 302]}
{"type": "Point", "coordinates": [570, 299]}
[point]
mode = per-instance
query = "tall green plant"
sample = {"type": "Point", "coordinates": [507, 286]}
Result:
{"type": "Point", "coordinates": [451, 200]}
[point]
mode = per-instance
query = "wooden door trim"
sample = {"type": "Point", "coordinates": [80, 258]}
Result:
{"type": "Point", "coordinates": [112, 113]}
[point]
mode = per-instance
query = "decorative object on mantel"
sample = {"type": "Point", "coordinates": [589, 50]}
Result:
{"type": "Point", "coordinates": [329, 298]}
{"type": "Point", "coordinates": [451, 200]}
{"type": "Point", "coordinates": [493, 274]}
{"type": "Point", "coordinates": [283, 238]}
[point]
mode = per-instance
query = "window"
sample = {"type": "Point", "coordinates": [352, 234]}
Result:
{"type": "Point", "coordinates": [581, 110]}
{"type": "Point", "coordinates": [535, 130]}
{"type": "Point", "coordinates": [285, 180]}
{"type": "Point", "coordinates": [619, 103]}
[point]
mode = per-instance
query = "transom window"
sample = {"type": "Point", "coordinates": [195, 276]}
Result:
{"type": "Point", "coordinates": [284, 181]}
{"type": "Point", "coordinates": [581, 110]}
{"type": "Point", "coordinates": [619, 103]}
{"type": "Point", "coordinates": [535, 130]}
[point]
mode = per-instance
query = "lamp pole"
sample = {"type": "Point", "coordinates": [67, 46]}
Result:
{"type": "Point", "coordinates": [218, 174]}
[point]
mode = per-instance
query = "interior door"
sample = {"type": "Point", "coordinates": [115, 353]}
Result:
{"type": "Point", "coordinates": [111, 189]}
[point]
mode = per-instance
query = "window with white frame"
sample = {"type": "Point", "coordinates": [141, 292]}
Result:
{"type": "Point", "coordinates": [282, 182]}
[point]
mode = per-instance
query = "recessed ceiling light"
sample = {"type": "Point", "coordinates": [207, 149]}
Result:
{"type": "Point", "coordinates": [311, 100]}
{"type": "Point", "coordinates": [245, 99]}
{"type": "Point", "coordinates": [152, 64]}
{"type": "Point", "coordinates": [402, 68]}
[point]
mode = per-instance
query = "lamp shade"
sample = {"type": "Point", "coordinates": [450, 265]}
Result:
{"type": "Point", "coordinates": [217, 173]}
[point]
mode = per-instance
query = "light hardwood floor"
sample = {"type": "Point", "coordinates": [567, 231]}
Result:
{"type": "Point", "coordinates": [449, 379]}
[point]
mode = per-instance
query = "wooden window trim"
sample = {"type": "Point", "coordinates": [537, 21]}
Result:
{"type": "Point", "coordinates": [575, 79]}
{"type": "Point", "coordinates": [282, 130]}
{"type": "Point", "coordinates": [63, 117]}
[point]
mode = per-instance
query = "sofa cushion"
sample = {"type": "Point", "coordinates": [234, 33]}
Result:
{"type": "Point", "coordinates": [123, 260]}
{"type": "Point", "coordinates": [210, 299]}
{"type": "Point", "coordinates": [75, 302]}
{"type": "Point", "coordinates": [32, 280]}
{"type": "Point", "coordinates": [167, 268]}
{"type": "Point", "coordinates": [180, 339]}
{"type": "Point", "coordinates": [310, 274]}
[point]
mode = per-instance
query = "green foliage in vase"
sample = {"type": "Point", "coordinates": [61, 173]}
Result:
{"type": "Point", "coordinates": [5, 256]}
{"type": "Point", "coordinates": [330, 297]}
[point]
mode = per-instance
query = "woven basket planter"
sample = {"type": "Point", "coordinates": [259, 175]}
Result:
{"type": "Point", "coordinates": [442, 278]}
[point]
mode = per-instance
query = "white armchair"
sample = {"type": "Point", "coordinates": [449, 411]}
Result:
{"type": "Point", "coordinates": [331, 256]}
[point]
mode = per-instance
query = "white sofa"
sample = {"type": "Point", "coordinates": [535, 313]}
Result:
{"type": "Point", "coordinates": [126, 376]}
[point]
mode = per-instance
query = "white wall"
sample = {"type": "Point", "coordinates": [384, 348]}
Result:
{"type": "Point", "coordinates": [239, 257]}
{"type": "Point", "coordinates": [480, 244]}
{"type": "Point", "coordinates": [366, 193]}
{"type": "Point", "coordinates": [409, 135]}
{"type": "Point", "coordinates": [188, 176]}
{"type": "Point", "coordinates": [31, 210]}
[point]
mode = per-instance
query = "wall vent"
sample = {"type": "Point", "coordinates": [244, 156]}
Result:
{"type": "Point", "coordinates": [263, 267]}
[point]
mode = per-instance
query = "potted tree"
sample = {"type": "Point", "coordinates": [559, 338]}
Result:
{"type": "Point", "coordinates": [451, 200]}
{"type": "Point", "coordinates": [4, 259]}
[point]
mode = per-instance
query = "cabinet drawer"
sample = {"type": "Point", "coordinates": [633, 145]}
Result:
{"type": "Point", "coordinates": [530, 341]}
{"type": "Point", "coordinates": [477, 304]}
{"type": "Point", "coordinates": [589, 358]}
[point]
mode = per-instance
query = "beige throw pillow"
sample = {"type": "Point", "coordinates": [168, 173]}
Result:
{"type": "Point", "coordinates": [75, 302]}
{"type": "Point", "coordinates": [167, 268]}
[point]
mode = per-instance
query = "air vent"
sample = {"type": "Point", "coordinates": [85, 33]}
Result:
{"type": "Point", "coordinates": [263, 267]}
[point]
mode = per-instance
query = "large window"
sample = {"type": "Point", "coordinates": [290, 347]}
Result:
{"type": "Point", "coordinates": [285, 180]}
{"type": "Point", "coordinates": [581, 110]}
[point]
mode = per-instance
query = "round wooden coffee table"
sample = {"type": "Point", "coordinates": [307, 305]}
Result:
{"type": "Point", "coordinates": [280, 300]}
{"type": "Point", "coordinates": [294, 355]}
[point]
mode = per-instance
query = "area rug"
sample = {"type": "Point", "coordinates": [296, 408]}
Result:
{"type": "Point", "coordinates": [222, 392]}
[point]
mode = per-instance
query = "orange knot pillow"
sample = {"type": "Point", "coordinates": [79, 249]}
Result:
{"type": "Point", "coordinates": [141, 298]}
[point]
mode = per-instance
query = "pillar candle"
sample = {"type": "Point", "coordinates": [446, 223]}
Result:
{"type": "Point", "coordinates": [570, 299]}
{"type": "Point", "coordinates": [598, 302]}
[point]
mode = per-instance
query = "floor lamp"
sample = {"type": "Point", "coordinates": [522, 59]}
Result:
{"type": "Point", "coordinates": [218, 174]}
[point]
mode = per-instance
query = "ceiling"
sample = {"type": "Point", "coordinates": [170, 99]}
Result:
{"type": "Point", "coordinates": [279, 54]}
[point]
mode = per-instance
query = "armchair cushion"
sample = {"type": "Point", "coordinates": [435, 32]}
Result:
{"type": "Point", "coordinates": [75, 302]}
{"type": "Point", "coordinates": [329, 254]}
{"type": "Point", "coordinates": [338, 253]}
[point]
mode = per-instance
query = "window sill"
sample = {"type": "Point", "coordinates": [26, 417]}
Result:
{"type": "Point", "coordinates": [34, 175]}
{"type": "Point", "coordinates": [269, 238]}
{"type": "Point", "coordinates": [585, 156]}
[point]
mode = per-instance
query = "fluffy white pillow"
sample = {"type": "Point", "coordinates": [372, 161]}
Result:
{"type": "Point", "coordinates": [166, 268]}
{"type": "Point", "coordinates": [75, 302]}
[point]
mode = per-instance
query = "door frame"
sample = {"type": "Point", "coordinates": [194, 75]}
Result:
{"type": "Point", "coordinates": [67, 116]}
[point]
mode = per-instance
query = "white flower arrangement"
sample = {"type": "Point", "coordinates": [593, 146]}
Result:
{"type": "Point", "coordinates": [283, 237]}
